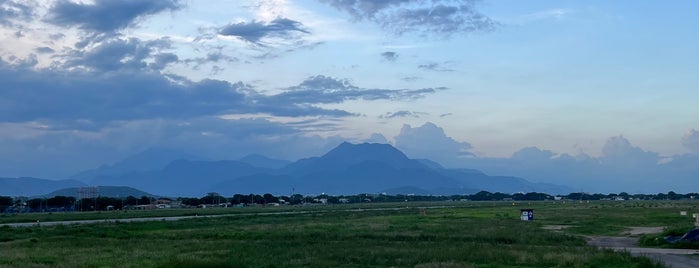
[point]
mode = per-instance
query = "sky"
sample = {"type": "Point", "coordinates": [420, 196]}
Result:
{"type": "Point", "coordinates": [491, 85]}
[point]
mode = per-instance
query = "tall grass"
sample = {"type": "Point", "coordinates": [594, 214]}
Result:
{"type": "Point", "coordinates": [468, 235]}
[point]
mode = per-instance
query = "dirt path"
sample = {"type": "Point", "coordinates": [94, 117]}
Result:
{"type": "Point", "coordinates": [675, 258]}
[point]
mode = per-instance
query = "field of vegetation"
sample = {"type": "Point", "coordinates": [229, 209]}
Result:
{"type": "Point", "coordinates": [449, 234]}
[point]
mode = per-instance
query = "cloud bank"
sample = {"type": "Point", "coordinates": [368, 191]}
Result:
{"type": "Point", "coordinates": [106, 15]}
{"type": "Point", "coordinates": [441, 17]}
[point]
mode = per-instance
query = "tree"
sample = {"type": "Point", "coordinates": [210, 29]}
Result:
{"type": "Point", "coordinates": [239, 199]}
{"type": "Point", "coordinates": [60, 202]}
{"type": "Point", "coordinates": [213, 198]}
{"type": "Point", "coordinates": [188, 201]}
{"type": "Point", "coordinates": [5, 202]}
{"type": "Point", "coordinates": [269, 198]}
{"type": "Point", "coordinates": [131, 201]}
{"type": "Point", "coordinates": [144, 200]}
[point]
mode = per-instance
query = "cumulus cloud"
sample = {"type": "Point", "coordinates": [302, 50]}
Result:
{"type": "Point", "coordinates": [106, 15]}
{"type": "Point", "coordinates": [257, 32]}
{"type": "Point", "coordinates": [12, 10]}
{"type": "Point", "coordinates": [690, 140]}
{"type": "Point", "coordinates": [429, 141]}
{"type": "Point", "coordinates": [389, 56]}
{"type": "Point", "coordinates": [443, 17]}
{"type": "Point", "coordinates": [620, 148]}
{"type": "Point", "coordinates": [119, 54]}
{"type": "Point", "coordinates": [376, 138]}
{"type": "Point", "coordinates": [533, 154]}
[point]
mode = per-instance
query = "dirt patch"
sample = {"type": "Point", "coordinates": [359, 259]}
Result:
{"type": "Point", "coordinates": [671, 257]}
{"type": "Point", "coordinates": [555, 227]}
{"type": "Point", "coordinates": [634, 231]}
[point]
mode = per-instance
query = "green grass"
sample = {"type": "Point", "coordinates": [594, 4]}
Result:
{"type": "Point", "coordinates": [468, 234]}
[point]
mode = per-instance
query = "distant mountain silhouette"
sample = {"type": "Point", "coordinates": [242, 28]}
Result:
{"type": "Point", "coordinates": [184, 177]}
{"type": "Point", "coordinates": [32, 186]}
{"type": "Point", "coordinates": [262, 161]}
{"type": "Point", "coordinates": [346, 169]}
{"type": "Point", "coordinates": [148, 160]}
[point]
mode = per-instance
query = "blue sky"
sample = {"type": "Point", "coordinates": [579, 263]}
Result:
{"type": "Point", "coordinates": [90, 82]}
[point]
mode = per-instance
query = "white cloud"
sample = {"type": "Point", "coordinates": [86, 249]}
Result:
{"type": "Point", "coordinates": [690, 140]}
{"type": "Point", "coordinates": [430, 141]}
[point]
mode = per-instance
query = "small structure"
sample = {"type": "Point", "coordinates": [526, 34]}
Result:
{"type": "Point", "coordinates": [683, 213]}
{"type": "Point", "coordinates": [526, 214]}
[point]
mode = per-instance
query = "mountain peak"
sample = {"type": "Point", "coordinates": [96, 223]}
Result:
{"type": "Point", "coordinates": [347, 154]}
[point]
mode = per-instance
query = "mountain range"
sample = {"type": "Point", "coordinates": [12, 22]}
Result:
{"type": "Point", "coordinates": [346, 169]}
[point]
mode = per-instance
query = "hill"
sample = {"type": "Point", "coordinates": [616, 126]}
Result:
{"type": "Point", "coordinates": [105, 191]}
{"type": "Point", "coordinates": [33, 186]}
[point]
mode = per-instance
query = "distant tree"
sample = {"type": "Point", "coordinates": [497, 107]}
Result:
{"type": "Point", "coordinates": [103, 202]}
{"type": "Point", "coordinates": [188, 201]}
{"type": "Point", "coordinates": [269, 198]}
{"type": "Point", "coordinates": [624, 195]}
{"type": "Point", "coordinates": [239, 199]}
{"type": "Point", "coordinates": [660, 196]}
{"type": "Point", "coordinates": [673, 196]}
{"type": "Point", "coordinates": [213, 198]}
{"type": "Point", "coordinates": [5, 202]}
{"type": "Point", "coordinates": [257, 199]}
{"type": "Point", "coordinates": [144, 200]}
{"type": "Point", "coordinates": [296, 199]}
{"type": "Point", "coordinates": [579, 196]}
{"type": "Point", "coordinates": [131, 201]}
{"type": "Point", "coordinates": [60, 202]}
{"type": "Point", "coordinates": [35, 204]}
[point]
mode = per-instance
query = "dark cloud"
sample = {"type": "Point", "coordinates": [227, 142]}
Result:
{"type": "Point", "coordinates": [434, 66]}
{"type": "Point", "coordinates": [74, 98]}
{"type": "Point", "coordinates": [11, 10]}
{"type": "Point", "coordinates": [443, 17]}
{"type": "Point", "coordinates": [690, 140]}
{"type": "Point", "coordinates": [324, 89]}
{"type": "Point", "coordinates": [255, 32]}
{"type": "Point", "coordinates": [44, 50]}
{"type": "Point", "coordinates": [389, 56]}
{"type": "Point", "coordinates": [163, 59]}
{"type": "Point", "coordinates": [390, 115]}
{"type": "Point", "coordinates": [106, 15]}
{"type": "Point", "coordinates": [446, 114]}
{"type": "Point", "coordinates": [120, 81]}
{"type": "Point", "coordinates": [123, 54]}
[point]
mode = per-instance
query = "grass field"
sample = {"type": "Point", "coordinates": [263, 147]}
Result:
{"type": "Point", "coordinates": [462, 234]}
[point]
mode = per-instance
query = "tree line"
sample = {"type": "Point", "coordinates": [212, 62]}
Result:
{"type": "Point", "coordinates": [69, 203]}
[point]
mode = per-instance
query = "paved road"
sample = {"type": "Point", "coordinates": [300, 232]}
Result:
{"type": "Point", "coordinates": [177, 218]}
{"type": "Point", "coordinates": [675, 258]}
